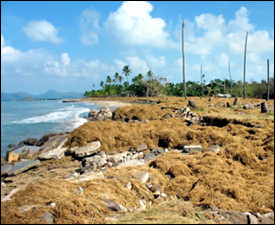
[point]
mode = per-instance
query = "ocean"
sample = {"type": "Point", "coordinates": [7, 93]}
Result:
{"type": "Point", "coordinates": [23, 119]}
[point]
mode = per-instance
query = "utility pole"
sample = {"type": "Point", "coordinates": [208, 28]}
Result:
{"type": "Point", "coordinates": [244, 66]}
{"type": "Point", "coordinates": [268, 86]}
{"type": "Point", "coordinates": [183, 62]}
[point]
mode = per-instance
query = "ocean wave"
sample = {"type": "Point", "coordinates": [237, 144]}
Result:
{"type": "Point", "coordinates": [64, 115]}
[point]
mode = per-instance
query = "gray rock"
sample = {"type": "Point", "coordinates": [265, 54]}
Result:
{"type": "Point", "coordinates": [93, 113]}
{"type": "Point", "coordinates": [191, 148]}
{"type": "Point", "coordinates": [56, 153]}
{"type": "Point", "coordinates": [213, 148]}
{"type": "Point", "coordinates": [112, 205]}
{"type": "Point", "coordinates": [142, 177]}
{"type": "Point", "coordinates": [25, 208]}
{"type": "Point", "coordinates": [11, 146]}
{"type": "Point", "coordinates": [132, 162]}
{"type": "Point", "coordinates": [89, 149]}
{"type": "Point", "coordinates": [20, 167]}
{"type": "Point", "coordinates": [54, 142]}
{"type": "Point", "coordinates": [32, 149]}
{"type": "Point", "coordinates": [142, 148]}
{"type": "Point", "coordinates": [251, 219]}
{"type": "Point", "coordinates": [149, 156]}
{"type": "Point", "coordinates": [48, 218]}
{"type": "Point", "coordinates": [29, 141]}
{"type": "Point", "coordinates": [157, 151]}
{"type": "Point", "coordinates": [5, 168]}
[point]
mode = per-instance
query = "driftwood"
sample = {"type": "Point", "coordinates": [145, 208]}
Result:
{"type": "Point", "coordinates": [263, 108]}
{"type": "Point", "coordinates": [228, 105]}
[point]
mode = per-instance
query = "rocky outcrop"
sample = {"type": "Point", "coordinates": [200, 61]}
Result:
{"type": "Point", "coordinates": [86, 150]}
{"type": "Point", "coordinates": [103, 114]}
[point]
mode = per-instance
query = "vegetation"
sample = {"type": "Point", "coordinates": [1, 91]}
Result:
{"type": "Point", "coordinates": [150, 85]}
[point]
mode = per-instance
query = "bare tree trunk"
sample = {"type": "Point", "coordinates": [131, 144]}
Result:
{"type": "Point", "coordinates": [224, 88]}
{"type": "Point", "coordinates": [183, 62]}
{"type": "Point", "coordinates": [235, 101]}
{"type": "Point", "coordinates": [244, 66]}
{"type": "Point", "coordinates": [230, 76]}
{"type": "Point", "coordinates": [263, 108]}
{"type": "Point", "coordinates": [268, 86]}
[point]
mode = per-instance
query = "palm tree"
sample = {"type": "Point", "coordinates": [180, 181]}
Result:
{"type": "Point", "coordinates": [102, 84]}
{"type": "Point", "coordinates": [120, 79]}
{"type": "Point", "coordinates": [126, 71]}
{"type": "Point", "coordinates": [108, 80]}
{"type": "Point", "coordinates": [150, 75]}
{"type": "Point", "coordinates": [116, 77]}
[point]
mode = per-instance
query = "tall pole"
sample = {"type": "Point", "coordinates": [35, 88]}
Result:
{"type": "Point", "coordinates": [230, 76]}
{"type": "Point", "coordinates": [201, 81]}
{"type": "Point", "coordinates": [183, 62]}
{"type": "Point", "coordinates": [224, 85]}
{"type": "Point", "coordinates": [268, 86]}
{"type": "Point", "coordinates": [244, 66]}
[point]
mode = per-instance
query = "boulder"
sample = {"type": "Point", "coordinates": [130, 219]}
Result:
{"type": "Point", "coordinates": [29, 141]}
{"type": "Point", "coordinates": [191, 148]}
{"type": "Point", "coordinates": [11, 146]}
{"type": "Point", "coordinates": [88, 149]}
{"type": "Point", "coordinates": [20, 167]}
{"type": "Point", "coordinates": [25, 154]}
{"type": "Point", "coordinates": [93, 113]}
{"type": "Point", "coordinates": [12, 156]}
{"type": "Point", "coordinates": [112, 205]}
{"type": "Point", "coordinates": [47, 218]}
{"type": "Point", "coordinates": [54, 142]}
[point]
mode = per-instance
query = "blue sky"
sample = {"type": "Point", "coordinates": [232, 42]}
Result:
{"type": "Point", "coordinates": [69, 46]}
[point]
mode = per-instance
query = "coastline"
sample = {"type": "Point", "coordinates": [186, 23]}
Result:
{"type": "Point", "coordinates": [66, 170]}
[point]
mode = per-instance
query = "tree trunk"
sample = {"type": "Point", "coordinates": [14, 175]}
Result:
{"type": "Point", "coordinates": [235, 101]}
{"type": "Point", "coordinates": [268, 86]}
{"type": "Point", "coordinates": [263, 108]}
{"type": "Point", "coordinates": [183, 62]}
{"type": "Point", "coordinates": [228, 105]}
{"type": "Point", "coordinates": [230, 76]}
{"type": "Point", "coordinates": [244, 66]}
{"type": "Point", "coordinates": [192, 104]}
{"type": "Point", "coordinates": [209, 98]}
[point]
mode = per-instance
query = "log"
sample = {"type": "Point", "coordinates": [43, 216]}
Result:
{"type": "Point", "coordinates": [192, 104]}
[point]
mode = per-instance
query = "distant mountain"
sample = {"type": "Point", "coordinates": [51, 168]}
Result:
{"type": "Point", "coordinates": [14, 96]}
{"type": "Point", "coordinates": [55, 94]}
{"type": "Point", "coordinates": [46, 95]}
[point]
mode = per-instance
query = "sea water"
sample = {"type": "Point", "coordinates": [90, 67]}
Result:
{"type": "Point", "coordinates": [23, 119]}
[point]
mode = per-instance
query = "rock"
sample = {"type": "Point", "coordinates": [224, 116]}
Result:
{"type": "Point", "coordinates": [11, 146]}
{"type": "Point", "coordinates": [263, 108]}
{"type": "Point", "coordinates": [132, 162]}
{"type": "Point", "coordinates": [251, 219]}
{"type": "Point", "coordinates": [213, 148]}
{"type": "Point", "coordinates": [54, 142]}
{"type": "Point", "coordinates": [149, 157]}
{"type": "Point", "coordinates": [157, 151]}
{"type": "Point", "coordinates": [5, 168]}
{"type": "Point", "coordinates": [224, 95]}
{"type": "Point", "coordinates": [112, 205]}
{"type": "Point", "coordinates": [142, 177]}
{"type": "Point", "coordinates": [51, 204]}
{"type": "Point", "coordinates": [20, 167]}
{"type": "Point", "coordinates": [142, 148]}
{"type": "Point", "coordinates": [79, 191]}
{"type": "Point", "coordinates": [56, 153]}
{"type": "Point", "coordinates": [167, 115]}
{"type": "Point", "coordinates": [228, 105]}
{"type": "Point", "coordinates": [47, 218]}
{"type": "Point", "coordinates": [25, 154]}
{"type": "Point", "coordinates": [87, 177]}
{"type": "Point", "coordinates": [192, 104]}
{"type": "Point", "coordinates": [191, 148]}
{"type": "Point", "coordinates": [88, 149]}
{"type": "Point", "coordinates": [12, 156]}
{"type": "Point", "coordinates": [93, 113]}
{"type": "Point", "coordinates": [3, 161]}
{"type": "Point", "coordinates": [248, 106]}
{"type": "Point", "coordinates": [29, 141]}
{"type": "Point", "coordinates": [104, 114]}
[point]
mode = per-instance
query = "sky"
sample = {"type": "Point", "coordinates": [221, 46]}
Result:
{"type": "Point", "coordinates": [72, 46]}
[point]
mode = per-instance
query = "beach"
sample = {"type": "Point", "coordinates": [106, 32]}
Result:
{"type": "Point", "coordinates": [163, 155]}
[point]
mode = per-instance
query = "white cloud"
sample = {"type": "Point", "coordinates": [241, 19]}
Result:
{"type": "Point", "coordinates": [222, 59]}
{"type": "Point", "coordinates": [137, 64]}
{"type": "Point", "coordinates": [133, 24]}
{"type": "Point", "coordinates": [156, 62]}
{"type": "Point", "coordinates": [42, 31]}
{"type": "Point", "coordinates": [241, 22]}
{"type": "Point", "coordinates": [89, 25]}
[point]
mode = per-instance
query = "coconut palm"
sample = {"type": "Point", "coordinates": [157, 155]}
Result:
{"type": "Point", "coordinates": [102, 84]}
{"type": "Point", "coordinates": [116, 77]}
{"type": "Point", "coordinates": [108, 80]}
{"type": "Point", "coordinates": [126, 71]}
{"type": "Point", "coordinates": [120, 79]}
